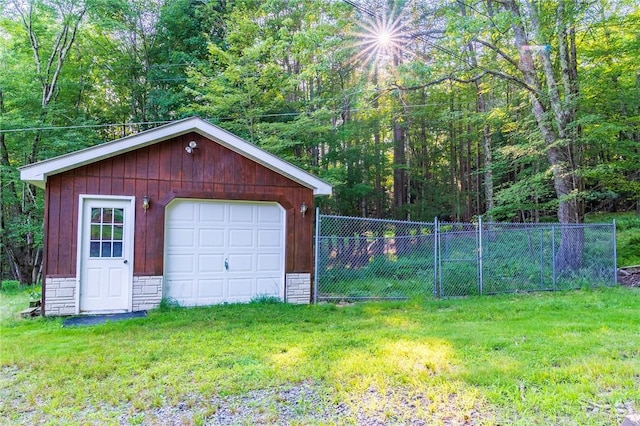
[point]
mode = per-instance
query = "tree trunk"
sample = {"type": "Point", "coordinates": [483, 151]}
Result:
{"type": "Point", "coordinates": [481, 108]}
{"type": "Point", "coordinates": [399, 178]}
{"type": "Point", "coordinates": [552, 119]}
{"type": "Point", "coordinates": [486, 152]}
{"type": "Point", "coordinates": [399, 162]}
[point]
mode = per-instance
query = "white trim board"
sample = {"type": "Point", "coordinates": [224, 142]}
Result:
{"type": "Point", "coordinates": [37, 173]}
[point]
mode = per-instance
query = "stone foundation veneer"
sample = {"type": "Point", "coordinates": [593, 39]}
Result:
{"type": "Point", "coordinates": [60, 296]}
{"type": "Point", "coordinates": [298, 288]}
{"type": "Point", "coordinates": [147, 293]}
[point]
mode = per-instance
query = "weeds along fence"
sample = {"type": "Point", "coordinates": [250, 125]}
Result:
{"type": "Point", "coordinates": [359, 258]}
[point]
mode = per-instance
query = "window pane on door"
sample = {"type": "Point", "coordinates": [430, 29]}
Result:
{"type": "Point", "coordinates": [117, 233]}
{"type": "Point", "coordinates": [106, 231]}
{"type": "Point", "coordinates": [94, 249]}
{"type": "Point", "coordinates": [106, 250]}
{"type": "Point", "coordinates": [118, 215]}
{"type": "Point", "coordinates": [95, 232]}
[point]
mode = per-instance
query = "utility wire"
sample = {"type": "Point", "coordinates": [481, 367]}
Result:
{"type": "Point", "coordinates": [82, 126]}
{"type": "Point", "coordinates": [145, 123]}
{"type": "Point", "coordinates": [153, 67]}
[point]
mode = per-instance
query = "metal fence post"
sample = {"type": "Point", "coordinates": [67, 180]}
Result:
{"type": "Point", "coordinates": [315, 258]}
{"type": "Point", "coordinates": [480, 276]}
{"type": "Point", "coordinates": [615, 255]}
{"type": "Point", "coordinates": [435, 257]}
{"type": "Point", "coordinates": [541, 259]}
{"type": "Point", "coordinates": [553, 256]}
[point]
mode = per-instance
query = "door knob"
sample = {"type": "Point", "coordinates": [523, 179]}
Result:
{"type": "Point", "coordinates": [126, 261]}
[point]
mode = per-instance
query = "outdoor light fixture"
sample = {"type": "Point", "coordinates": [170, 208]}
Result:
{"type": "Point", "coordinates": [303, 208]}
{"type": "Point", "coordinates": [146, 203]}
{"type": "Point", "coordinates": [192, 145]}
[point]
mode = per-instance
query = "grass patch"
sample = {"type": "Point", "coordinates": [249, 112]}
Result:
{"type": "Point", "coordinates": [561, 358]}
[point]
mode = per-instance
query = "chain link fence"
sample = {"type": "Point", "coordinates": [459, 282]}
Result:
{"type": "Point", "coordinates": [360, 259]}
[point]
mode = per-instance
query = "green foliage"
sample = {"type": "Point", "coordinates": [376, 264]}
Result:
{"type": "Point", "coordinates": [168, 304]}
{"type": "Point", "coordinates": [611, 116]}
{"type": "Point", "coordinates": [629, 249]}
{"type": "Point", "coordinates": [35, 294]}
{"type": "Point", "coordinates": [10, 286]}
{"type": "Point", "coordinates": [266, 300]}
{"type": "Point", "coordinates": [627, 235]}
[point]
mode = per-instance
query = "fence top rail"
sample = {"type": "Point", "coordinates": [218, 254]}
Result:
{"type": "Point", "coordinates": [523, 225]}
{"type": "Point", "coordinates": [368, 219]}
{"type": "Point", "coordinates": [484, 224]}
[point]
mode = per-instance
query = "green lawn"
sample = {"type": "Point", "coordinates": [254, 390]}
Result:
{"type": "Point", "coordinates": [547, 358]}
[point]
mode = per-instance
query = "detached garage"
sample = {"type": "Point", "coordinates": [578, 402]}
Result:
{"type": "Point", "coordinates": [186, 211]}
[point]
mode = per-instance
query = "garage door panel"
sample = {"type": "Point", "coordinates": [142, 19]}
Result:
{"type": "Point", "coordinates": [268, 262]}
{"type": "Point", "coordinates": [181, 290]}
{"type": "Point", "coordinates": [270, 214]}
{"type": "Point", "coordinates": [211, 238]}
{"type": "Point", "coordinates": [181, 238]}
{"type": "Point", "coordinates": [210, 263]}
{"type": "Point", "coordinates": [181, 263]}
{"type": "Point", "coordinates": [211, 289]}
{"type": "Point", "coordinates": [241, 213]}
{"type": "Point", "coordinates": [241, 263]}
{"type": "Point", "coordinates": [267, 286]}
{"type": "Point", "coordinates": [241, 289]}
{"type": "Point", "coordinates": [269, 238]}
{"type": "Point", "coordinates": [183, 212]}
{"type": "Point", "coordinates": [211, 213]}
{"type": "Point", "coordinates": [202, 234]}
{"type": "Point", "coordinates": [240, 238]}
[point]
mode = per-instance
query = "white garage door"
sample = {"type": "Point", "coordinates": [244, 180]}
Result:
{"type": "Point", "coordinates": [223, 251]}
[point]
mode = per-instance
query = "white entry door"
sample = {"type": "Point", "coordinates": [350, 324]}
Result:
{"type": "Point", "coordinates": [223, 251]}
{"type": "Point", "coordinates": [106, 255]}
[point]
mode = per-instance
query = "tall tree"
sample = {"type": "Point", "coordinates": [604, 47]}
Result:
{"type": "Point", "coordinates": [552, 86]}
{"type": "Point", "coordinates": [50, 29]}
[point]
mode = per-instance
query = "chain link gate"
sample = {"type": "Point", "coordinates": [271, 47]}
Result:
{"type": "Point", "coordinates": [459, 263]}
{"type": "Point", "coordinates": [361, 259]}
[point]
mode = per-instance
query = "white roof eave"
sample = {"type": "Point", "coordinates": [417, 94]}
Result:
{"type": "Point", "coordinates": [37, 173]}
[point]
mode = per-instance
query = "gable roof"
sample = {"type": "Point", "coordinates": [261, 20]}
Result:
{"type": "Point", "coordinates": [37, 173]}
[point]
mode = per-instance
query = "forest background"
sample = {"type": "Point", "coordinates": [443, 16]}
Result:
{"type": "Point", "coordinates": [515, 110]}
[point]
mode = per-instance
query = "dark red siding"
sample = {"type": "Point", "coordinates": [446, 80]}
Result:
{"type": "Point", "coordinates": [165, 171]}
